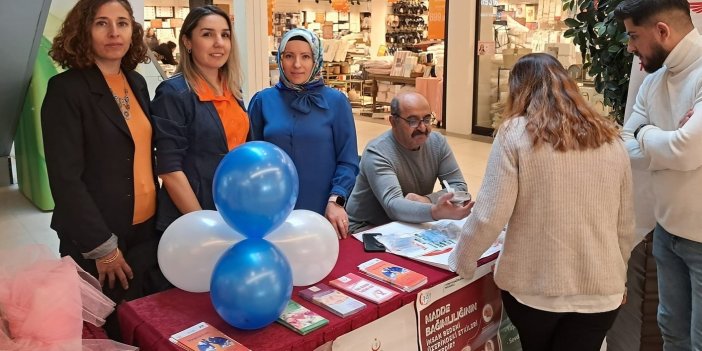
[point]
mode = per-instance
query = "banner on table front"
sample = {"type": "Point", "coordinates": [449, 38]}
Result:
{"type": "Point", "coordinates": [396, 331]}
{"type": "Point", "coordinates": [643, 196]}
{"type": "Point", "coordinates": [461, 315]}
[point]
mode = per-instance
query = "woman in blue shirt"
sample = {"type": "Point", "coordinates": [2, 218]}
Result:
{"type": "Point", "coordinates": [313, 124]}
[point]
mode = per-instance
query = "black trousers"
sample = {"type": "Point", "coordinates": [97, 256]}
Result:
{"type": "Point", "coordinates": [551, 331]}
{"type": "Point", "coordinates": [139, 248]}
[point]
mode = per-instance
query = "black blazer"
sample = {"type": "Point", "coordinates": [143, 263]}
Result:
{"type": "Point", "coordinates": [89, 156]}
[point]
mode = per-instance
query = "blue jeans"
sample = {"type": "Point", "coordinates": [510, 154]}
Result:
{"type": "Point", "coordinates": [679, 264]}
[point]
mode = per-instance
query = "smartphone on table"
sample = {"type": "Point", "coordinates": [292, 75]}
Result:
{"type": "Point", "coordinates": [371, 243]}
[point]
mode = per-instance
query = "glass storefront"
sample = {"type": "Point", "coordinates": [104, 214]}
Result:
{"type": "Point", "coordinates": [508, 30]}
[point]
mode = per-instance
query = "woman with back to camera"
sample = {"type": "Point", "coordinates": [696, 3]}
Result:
{"type": "Point", "coordinates": [198, 114]}
{"type": "Point", "coordinates": [313, 124]}
{"type": "Point", "coordinates": [98, 146]}
{"type": "Point", "coordinates": [559, 176]}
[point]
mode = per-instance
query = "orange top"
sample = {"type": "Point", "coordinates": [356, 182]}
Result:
{"type": "Point", "coordinates": [140, 129]}
{"type": "Point", "coordinates": [234, 119]}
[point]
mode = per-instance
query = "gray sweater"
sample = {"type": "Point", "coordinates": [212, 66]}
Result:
{"type": "Point", "coordinates": [570, 215]}
{"type": "Point", "coordinates": [388, 172]}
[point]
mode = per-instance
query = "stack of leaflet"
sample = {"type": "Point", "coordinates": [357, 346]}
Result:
{"type": "Point", "coordinates": [402, 278]}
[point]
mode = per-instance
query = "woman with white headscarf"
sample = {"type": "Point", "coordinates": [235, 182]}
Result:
{"type": "Point", "coordinates": [313, 124]}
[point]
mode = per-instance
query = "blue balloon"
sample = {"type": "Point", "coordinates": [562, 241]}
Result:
{"type": "Point", "coordinates": [251, 284]}
{"type": "Point", "coordinates": [255, 188]}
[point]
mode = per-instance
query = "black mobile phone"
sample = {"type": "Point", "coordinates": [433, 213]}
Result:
{"type": "Point", "coordinates": [371, 244]}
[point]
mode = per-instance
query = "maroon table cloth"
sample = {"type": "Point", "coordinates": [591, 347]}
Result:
{"type": "Point", "coordinates": [92, 332]}
{"type": "Point", "coordinates": [149, 322]}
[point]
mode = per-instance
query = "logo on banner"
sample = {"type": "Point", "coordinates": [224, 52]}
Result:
{"type": "Point", "coordinates": [696, 7]}
{"type": "Point", "coordinates": [375, 346]}
{"type": "Point", "coordinates": [425, 298]}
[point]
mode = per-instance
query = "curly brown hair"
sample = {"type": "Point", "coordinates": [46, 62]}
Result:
{"type": "Point", "coordinates": [72, 46]}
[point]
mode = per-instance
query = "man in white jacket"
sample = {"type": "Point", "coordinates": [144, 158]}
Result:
{"type": "Point", "coordinates": [664, 135]}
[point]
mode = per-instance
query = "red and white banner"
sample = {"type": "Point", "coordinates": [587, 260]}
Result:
{"type": "Point", "coordinates": [460, 315]}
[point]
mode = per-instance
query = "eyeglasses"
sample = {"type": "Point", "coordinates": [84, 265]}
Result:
{"type": "Point", "coordinates": [413, 122]}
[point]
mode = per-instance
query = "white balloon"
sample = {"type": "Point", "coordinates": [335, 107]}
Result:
{"type": "Point", "coordinates": [309, 243]}
{"type": "Point", "coordinates": [190, 247]}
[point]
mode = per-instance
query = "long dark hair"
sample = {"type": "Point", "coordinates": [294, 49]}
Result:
{"type": "Point", "coordinates": [541, 91]}
{"type": "Point", "coordinates": [72, 46]}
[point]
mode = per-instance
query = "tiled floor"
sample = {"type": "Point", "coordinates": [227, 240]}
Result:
{"type": "Point", "coordinates": [21, 223]}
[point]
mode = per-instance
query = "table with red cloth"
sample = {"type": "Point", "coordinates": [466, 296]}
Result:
{"type": "Point", "coordinates": [148, 322]}
{"type": "Point", "coordinates": [92, 332]}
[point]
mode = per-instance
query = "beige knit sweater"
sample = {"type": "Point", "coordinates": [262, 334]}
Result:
{"type": "Point", "coordinates": [570, 217]}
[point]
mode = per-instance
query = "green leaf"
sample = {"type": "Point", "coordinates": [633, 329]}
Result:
{"type": "Point", "coordinates": [572, 23]}
{"type": "Point", "coordinates": [600, 29]}
{"type": "Point", "coordinates": [614, 48]}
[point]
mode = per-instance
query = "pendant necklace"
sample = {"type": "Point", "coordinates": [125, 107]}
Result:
{"type": "Point", "coordinates": [123, 102]}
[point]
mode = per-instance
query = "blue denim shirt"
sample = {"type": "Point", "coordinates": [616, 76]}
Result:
{"type": "Point", "coordinates": [189, 138]}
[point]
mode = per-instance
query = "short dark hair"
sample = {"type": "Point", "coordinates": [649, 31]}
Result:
{"type": "Point", "coordinates": [642, 11]}
{"type": "Point", "coordinates": [298, 38]}
{"type": "Point", "coordinates": [395, 107]}
{"type": "Point", "coordinates": [171, 45]}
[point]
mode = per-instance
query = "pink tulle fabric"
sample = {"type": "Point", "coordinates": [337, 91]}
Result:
{"type": "Point", "coordinates": [44, 301]}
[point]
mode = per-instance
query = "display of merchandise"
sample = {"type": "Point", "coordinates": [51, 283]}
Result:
{"type": "Point", "coordinates": [400, 277]}
{"type": "Point", "coordinates": [406, 26]}
{"type": "Point", "coordinates": [301, 319]}
{"type": "Point", "coordinates": [203, 336]}
{"type": "Point", "coordinates": [332, 300]}
{"type": "Point", "coordinates": [363, 288]}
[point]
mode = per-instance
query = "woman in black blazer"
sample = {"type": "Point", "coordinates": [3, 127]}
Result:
{"type": "Point", "coordinates": [99, 150]}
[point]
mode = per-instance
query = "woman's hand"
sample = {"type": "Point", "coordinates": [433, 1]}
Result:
{"type": "Point", "coordinates": [111, 266]}
{"type": "Point", "coordinates": [336, 215]}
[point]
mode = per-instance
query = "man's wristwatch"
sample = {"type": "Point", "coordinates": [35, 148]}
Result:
{"type": "Point", "coordinates": [338, 199]}
{"type": "Point", "coordinates": [638, 129]}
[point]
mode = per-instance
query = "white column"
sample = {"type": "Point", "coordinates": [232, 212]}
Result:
{"type": "Point", "coordinates": [138, 9]}
{"type": "Point", "coordinates": [251, 29]}
{"type": "Point", "coordinates": [379, 11]}
{"type": "Point", "coordinates": [460, 66]}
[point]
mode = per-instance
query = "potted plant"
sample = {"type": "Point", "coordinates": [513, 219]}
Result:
{"type": "Point", "coordinates": [602, 41]}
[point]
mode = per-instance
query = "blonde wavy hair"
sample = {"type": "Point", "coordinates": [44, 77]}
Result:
{"type": "Point", "coordinates": [230, 73]}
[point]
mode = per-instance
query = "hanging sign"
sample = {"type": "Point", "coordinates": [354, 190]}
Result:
{"type": "Point", "coordinates": [437, 19]}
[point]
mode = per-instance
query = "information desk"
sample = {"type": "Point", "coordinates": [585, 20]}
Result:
{"type": "Point", "coordinates": [149, 322]}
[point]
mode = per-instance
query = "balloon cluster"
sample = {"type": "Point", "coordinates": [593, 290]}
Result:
{"type": "Point", "coordinates": [250, 277]}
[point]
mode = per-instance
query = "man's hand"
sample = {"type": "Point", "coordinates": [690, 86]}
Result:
{"type": "Point", "coordinates": [444, 209]}
{"type": "Point", "coordinates": [336, 215]}
{"type": "Point", "coordinates": [418, 198]}
{"type": "Point", "coordinates": [113, 266]}
{"type": "Point", "coordinates": [686, 118]}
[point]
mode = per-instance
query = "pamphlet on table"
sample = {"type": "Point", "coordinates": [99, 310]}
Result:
{"type": "Point", "coordinates": [363, 288]}
{"type": "Point", "coordinates": [400, 277]}
{"type": "Point", "coordinates": [300, 319]}
{"type": "Point", "coordinates": [430, 242]}
{"type": "Point", "coordinates": [332, 300]}
{"type": "Point", "coordinates": [203, 336]}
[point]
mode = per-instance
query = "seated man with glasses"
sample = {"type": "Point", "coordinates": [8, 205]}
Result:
{"type": "Point", "coordinates": [398, 171]}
